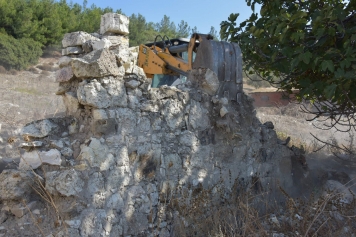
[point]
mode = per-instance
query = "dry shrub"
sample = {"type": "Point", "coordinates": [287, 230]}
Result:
{"type": "Point", "coordinates": [33, 70]}
{"type": "Point", "coordinates": [45, 73]}
{"type": "Point", "coordinates": [13, 72]}
{"type": "Point", "coordinates": [2, 70]}
{"type": "Point", "coordinates": [56, 54]}
{"type": "Point", "coordinates": [47, 67]}
{"type": "Point", "coordinates": [245, 211]}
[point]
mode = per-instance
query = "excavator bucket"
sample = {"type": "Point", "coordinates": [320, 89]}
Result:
{"type": "Point", "coordinates": [225, 60]}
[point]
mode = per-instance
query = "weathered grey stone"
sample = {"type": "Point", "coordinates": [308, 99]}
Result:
{"type": "Point", "coordinates": [122, 156]}
{"type": "Point", "coordinates": [65, 182]}
{"type": "Point", "coordinates": [72, 50]}
{"type": "Point", "coordinates": [16, 184]}
{"type": "Point", "coordinates": [340, 191]}
{"type": "Point", "coordinates": [188, 138]}
{"type": "Point", "coordinates": [34, 159]}
{"type": "Point", "coordinates": [101, 44]}
{"type": "Point", "coordinates": [73, 126]}
{"type": "Point", "coordinates": [76, 38]}
{"type": "Point", "coordinates": [67, 152]}
{"type": "Point", "coordinates": [88, 46]}
{"type": "Point", "coordinates": [58, 144]}
{"type": "Point", "coordinates": [63, 88]}
{"type": "Point", "coordinates": [172, 163]}
{"type": "Point", "coordinates": [149, 106]}
{"type": "Point", "coordinates": [31, 144]}
{"type": "Point", "coordinates": [67, 232]}
{"type": "Point", "coordinates": [164, 232]}
{"type": "Point", "coordinates": [126, 120]}
{"type": "Point", "coordinates": [99, 63]}
{"type": "Point", "coordinates": [210, 84]}
{"type": "Point", "coordinates": [92, 223]}
{"type": "Point", "coordinates": [40, 128]}
{"type": "Point", "coordinates": [223, 111]}
{"type": "Point", "coordinates": [115, 23]}
{"type": "Point", "coordinates": [64, 74]}
{"type": "Point", "coordinates": [198, 116]}
{"type": "Point", "coordinates": [133, 102]}
{"type": "Point", "coordinates": [111, 92]}
{"type": "Point", "coordinates": [115, 201]}
{"type": "Point", "coordinates": [75, 223]}
{"type": "Point", "coordinates": [19, 210]}
{"type": "Point", "coordinates": [132, 84]}
{"type": "Point", "coordinates": [96, 154]}
{"type": "Point", "coordinates": [173, 113]}
{"type": "Point", "coordinates": [71, 103]}
{"type": "Point", "coordinates": [118, 40]}
{"type": "Point", "coordinates": [144, 125]}
{"type": "Point", "coordinates": [137, 223]}
{"type": "Point", "coordinates": [64, 61]}
{"type": "Point", "coordinates": [99, 114]}
{"type": "Point", "coordinates": [139, 72]}
{"type": "Point", "coordinates": [269, 125]}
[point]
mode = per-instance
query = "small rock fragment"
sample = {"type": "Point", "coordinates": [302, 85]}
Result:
{"type": "Point", "coordinates": [223, 111]}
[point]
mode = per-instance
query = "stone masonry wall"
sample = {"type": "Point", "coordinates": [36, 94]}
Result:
{"type": "Point", "coordinates": [110, 166]}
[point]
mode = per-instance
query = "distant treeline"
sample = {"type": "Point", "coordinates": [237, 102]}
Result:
{"type": "Point", "coordinates": [29, 26]}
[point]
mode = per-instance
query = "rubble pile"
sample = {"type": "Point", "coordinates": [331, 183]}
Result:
{"type": "Point", "coordinates": [109, 167]}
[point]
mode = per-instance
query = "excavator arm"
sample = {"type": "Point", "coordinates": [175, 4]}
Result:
{"type": "Point", "coordinates": [223, 58]}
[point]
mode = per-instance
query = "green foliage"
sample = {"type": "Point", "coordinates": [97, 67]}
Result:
{"type": "Point", "coordinates": [183, 30]}
{"type": "Point", "coordinates": [309, 45]}
{"type": "Point", "coordinates": [18, 54]}
{"type": "Point", "coordinates": [141, 32]}
{"type": "Point", "coordinates": [214, 33]}
{"type": "Point", "coordinates": [166, 27]}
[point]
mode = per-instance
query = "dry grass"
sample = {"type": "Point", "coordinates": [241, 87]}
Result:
{"type": "Point", "coordinates": [243, 212]}
{"type": "Point", "coordinates": [47, 67]}
{"type": "Point", "coordinates": [13, 72]}
{"type": "Point", "coordinates": [2, 70]}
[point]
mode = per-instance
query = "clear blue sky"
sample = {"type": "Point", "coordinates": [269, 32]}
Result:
{"type": "Point", "coordinates": [200, 13]}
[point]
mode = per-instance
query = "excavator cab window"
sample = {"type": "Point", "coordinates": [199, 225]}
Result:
{"type": "Point", "coordinates": [170, 80]}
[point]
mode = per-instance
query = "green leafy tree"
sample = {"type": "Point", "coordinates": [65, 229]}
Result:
{"type": "Point", "coordinates": [308, 45]}
{"type": "Point", "coordinates": [18, 53]}
{"type": "Point", "coordinates": [194, 30]}
{"type": "Point", "coordinates": [214, 33]}
{"type": "Point", "coordinates": [166, 27]}
{"type": "Point", "coordinates": [141, 32]}
{"type": "Point", "coordinates": [183, 30]}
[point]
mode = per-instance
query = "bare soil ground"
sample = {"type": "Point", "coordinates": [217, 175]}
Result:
{"type": "Point", "coordinates": [323, 164]}
{"type": "Point", "coordinates": [24, 97]}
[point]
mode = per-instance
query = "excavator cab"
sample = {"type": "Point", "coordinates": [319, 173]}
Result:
{"type": "Point", "coordinates": [178, 48]}
{"type": "Point", "coordinates": [167, 61]}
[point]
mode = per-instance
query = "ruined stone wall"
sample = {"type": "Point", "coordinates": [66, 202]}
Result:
{"type": "Point", "coordinates": [124, 149]}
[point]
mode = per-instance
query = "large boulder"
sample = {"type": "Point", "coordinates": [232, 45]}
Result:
{"type": "Point", "coordinates": [34, 159]}
{"type": "Point", "coordinates": [118, 40]}
{"type": "Point", "coordinates": [104, 93]}
{"type": "Point", "coordinates": [114, 23]}
{"type": "Point", "coordinates": [99, 63]}
{"type": "Point", "coordinates": [66, 182]}
{"type": "Point", "coordinates": [64, 74]}
{"type": "Point", "coordinates": [338, 191]}
{"type": "Point", "coordinates": [77, 38]}
{"type": "Point", "coordinates": [71, 103]}
{"type": "Point", "coordinates": [72, 50]}
{"type": "Point", "coordinates": [38, 129]}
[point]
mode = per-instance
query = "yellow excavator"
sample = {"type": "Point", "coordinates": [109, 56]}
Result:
{"type": "Point", "coordinates": [168, 59]}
